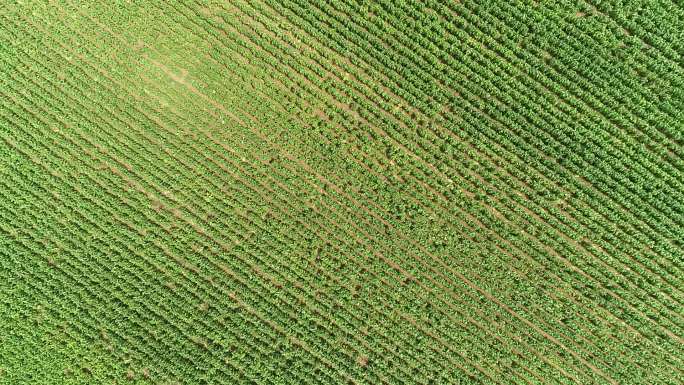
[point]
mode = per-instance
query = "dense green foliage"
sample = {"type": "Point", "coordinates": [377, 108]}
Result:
{"type": "Point", "coordinates": [342, 192]}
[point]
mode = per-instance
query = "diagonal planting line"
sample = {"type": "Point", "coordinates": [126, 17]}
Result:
{"type": "Point", "coordinates": [321, 178]}
{"type": "Point", "coordinates": [124, 164]}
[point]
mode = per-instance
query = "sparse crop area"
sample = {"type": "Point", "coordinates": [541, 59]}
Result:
{"type": "Point", "coordinates": [342, 192]}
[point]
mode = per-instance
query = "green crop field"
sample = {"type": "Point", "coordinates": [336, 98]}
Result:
{"type": "Point", "coordinates": [342, 192]}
